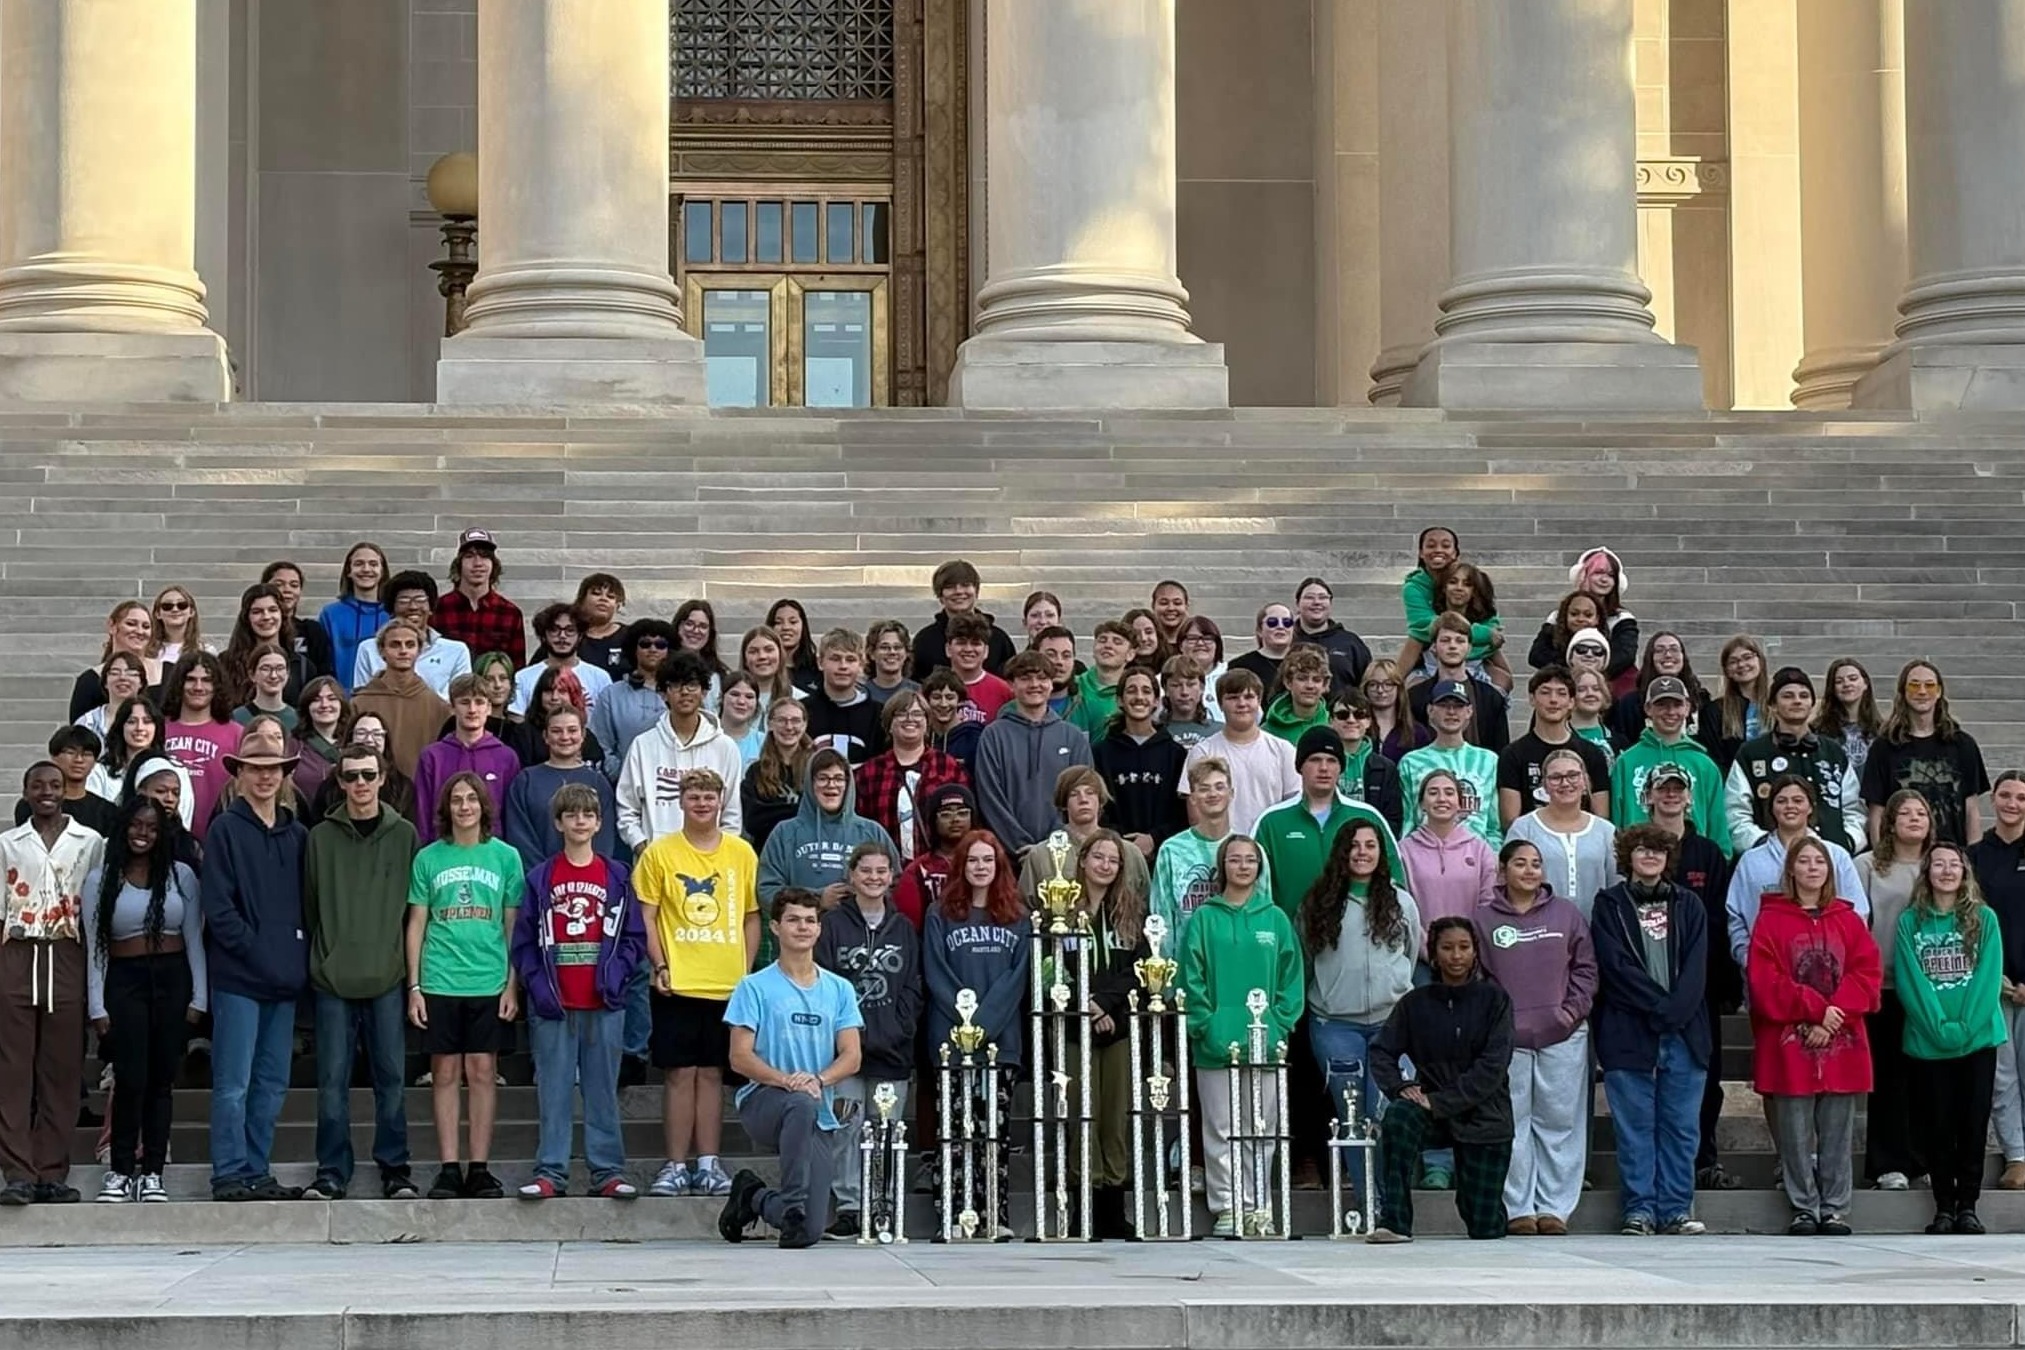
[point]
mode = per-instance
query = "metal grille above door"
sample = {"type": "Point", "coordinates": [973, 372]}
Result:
{"type": "Point", "coordinates": [784, 49]}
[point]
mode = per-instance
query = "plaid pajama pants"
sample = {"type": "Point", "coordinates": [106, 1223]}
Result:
{"type": "Point", "coordinates": [1479, 1171]}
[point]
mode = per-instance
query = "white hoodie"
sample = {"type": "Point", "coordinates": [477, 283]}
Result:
{"type": "Point", "coordinates": [650, 784]}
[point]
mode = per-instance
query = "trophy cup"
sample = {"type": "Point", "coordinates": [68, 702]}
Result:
{"type": "Point", "coordinates": [1149, 1029]}
{"type": "Point", "coordinates": [1060, 949]}
{"type": "Point", "coordinates": [882, 1173]}
{"type": "Point", "coordinates": [1258, 1074]}
{"type": "Point", "coordinates": [1353, 1132]}
{"type": "Point", "coordinates": [965, 1079]}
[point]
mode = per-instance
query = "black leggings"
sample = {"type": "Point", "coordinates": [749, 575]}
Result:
{"type": "Point", "coordinates": [147, 1000]}
{"type": "Point", "coordinates": [1950, 1121]}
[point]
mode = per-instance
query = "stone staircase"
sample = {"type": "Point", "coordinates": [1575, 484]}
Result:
{"type": "Point", "coordinates": [1875, 536]}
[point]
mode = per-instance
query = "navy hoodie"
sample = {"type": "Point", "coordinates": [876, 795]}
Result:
{"type": "Point", "coordinates": [254, 941]}
{"type": "Point", "coordinates": [885, 970]}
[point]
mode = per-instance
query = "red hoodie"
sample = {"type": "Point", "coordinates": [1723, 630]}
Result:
{"type": "Point", "coordinates": [1801, 963]}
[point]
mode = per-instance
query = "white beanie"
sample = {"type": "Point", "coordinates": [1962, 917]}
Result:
{"type": "Point", "coordinates": [1575, 572]}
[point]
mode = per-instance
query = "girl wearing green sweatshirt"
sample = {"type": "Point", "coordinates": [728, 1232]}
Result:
{"type": "Point", "coordinates": [1238, 941]}
{"type": "Point", "coordinates": [1948, 961]}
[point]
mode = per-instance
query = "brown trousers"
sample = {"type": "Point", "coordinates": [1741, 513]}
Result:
{"type": "Point", "coordinates": [41, 1056]}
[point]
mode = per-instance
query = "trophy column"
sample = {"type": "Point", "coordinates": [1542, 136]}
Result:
{"type": "Point", "coordinates": [1151, 1030]}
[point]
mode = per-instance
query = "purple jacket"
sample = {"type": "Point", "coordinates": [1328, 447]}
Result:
{"type": "Point", "coordinates": [1544, 960]}
{"type": "Point", "coordinates": [491, 759]}
{"type": "Point", "coordinates": [621, 944]}
{"type": "Point", "coordinates": [1448, 877]}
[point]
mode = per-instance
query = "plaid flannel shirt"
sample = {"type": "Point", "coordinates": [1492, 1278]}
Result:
{"type": "Point", "coordinates": [881, 777]}
{"type": "Point", "coordinates": [493, 624]}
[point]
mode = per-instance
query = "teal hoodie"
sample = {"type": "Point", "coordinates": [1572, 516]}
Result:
{"type": "Point", "coordinates": [1229, 951]}
{"type": "Point", "coordinates": [1951, 996]}
{"type": "Point", "coordinates": [812, 848]}
{"type": "Point", "coordinates": [1184, 872]}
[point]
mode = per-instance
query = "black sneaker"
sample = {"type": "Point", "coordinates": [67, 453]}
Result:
{"type": "Point", "coordinates": [55, 1193]}
{"type": "Point", "coordinates": [1967, 1224]}
{"type": "Point", "coordinates": [1803, 1224]}
{"type": "Point", "coordinates": [232, 1192]}
{"type": "Point", "coordinates": [797, 1232]}
{"type": "Point", "coordinates": [480, 1184]}
{"type": "Point", "coordinates": [1943, 1223]}
{"type": "Point", "coordinates": [739, 1211]}
{"type": "Point", "coordinates": [18, 1193]}
{"type": "Point", "coordinates": [449, 1183]}
{"type": "Point", "coordinates": [267, 1188]}
{"type": "Point", "coordinates": [324, 1188]}
{"type": "Point", "coordinates": [845, 1225]}
{"type": "Point", "coordinates": [398, 1186]}
{"type": "Point", "coordinates": [1834, 1225]}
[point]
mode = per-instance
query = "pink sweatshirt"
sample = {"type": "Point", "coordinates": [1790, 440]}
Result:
{"type": "Point", "coordinates": [1448, 876]}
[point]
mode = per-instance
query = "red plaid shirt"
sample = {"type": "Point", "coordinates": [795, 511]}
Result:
{"type": "Point", "coordinates": [492, 625]}
{"type": "Point", "coordinates": [880, 779]}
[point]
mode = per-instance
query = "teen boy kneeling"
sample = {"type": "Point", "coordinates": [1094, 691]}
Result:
{"type": "Point", "coordinates": [579, 937]}
{"type": "Point", "coordinates": [794, 1037]}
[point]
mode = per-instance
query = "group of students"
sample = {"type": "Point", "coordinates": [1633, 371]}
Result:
{"type": "Point", "coordinates": [393, 822]}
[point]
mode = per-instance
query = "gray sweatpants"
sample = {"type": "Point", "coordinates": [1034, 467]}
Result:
{"type": "Point", "coordinates": [1816, 1137]}
{"type": "Point", "coordinates": [2008, 1104]}
{"type": "Point", "coordinates": [785, 1122]}
{"type": "Point", "coordinates": [1551, 1101]}
{"type": "Point", "coordinates": [1238, 1193]}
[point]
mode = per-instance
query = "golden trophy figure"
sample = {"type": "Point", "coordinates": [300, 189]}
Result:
{"type": "Point", "coordinates": [882, 1173]}
{"type": "Point", "coordinates": [1153, 1024]}
{"type": "Point", "coordinates": [1061, 948]}
{"type": "Point", "coordinates": [967, 1076]}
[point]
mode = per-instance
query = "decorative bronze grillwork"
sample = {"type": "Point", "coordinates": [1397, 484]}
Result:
{"type": "Point", "coordinates": [784, 49]}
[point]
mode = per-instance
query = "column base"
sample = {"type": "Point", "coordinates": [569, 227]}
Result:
{"type": "Point", "coordinates": [1976, 377]}
{"type": "Point", "coordinates": [1557, 376]}
{"type": "Point", "coordinates": [1011, 374]}
{"type": "Point", "coordinates": [571, 372]}
{"type": "Point", "coordinates": [114, 367]}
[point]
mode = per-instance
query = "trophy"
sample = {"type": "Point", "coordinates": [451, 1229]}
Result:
{"type": "Point", "coordinates": [1149, 1030]}
{"type": "Point", "coordinates": [1060, 995]}
{"type": "Point", "coordinates": [1258, 1074]}
{"type": "Point", "coordinates": [1353, 1131]}
{"type": "Point", "coordinates": [882, 1173]}
{"type": "Point", "coordinates": [967, 1098]}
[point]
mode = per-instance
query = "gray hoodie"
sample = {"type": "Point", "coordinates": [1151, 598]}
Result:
{"type": "Point", "coordinates": [1018, 760]}
{"type": "Point", "coordinates": [1359, 980]}
{"type": "Point", "coordinates": [813, 849]}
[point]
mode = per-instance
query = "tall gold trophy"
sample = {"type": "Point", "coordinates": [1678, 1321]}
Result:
{"type": "Point", "coordinates": [1060, 947]}
{"type": "Point", "coordinates": [1153, 1027]}
{"type": "Point", "coordinates": [967, 1095]}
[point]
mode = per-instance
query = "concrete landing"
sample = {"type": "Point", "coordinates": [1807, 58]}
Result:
{"type": "Point", "coordinates": [1589, 1292]}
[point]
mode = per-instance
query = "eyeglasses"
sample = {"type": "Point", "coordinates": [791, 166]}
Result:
{"type": "Point", "coordinates": [1369, 685]}
{"type": "Point", "coordinates": [1270, 622]}
{"type": "Point", "coordinates": [910, 717]}
{"type": "Point", "coordinates": [562, 630]}
{"type": "Point", "coordinates": [1563, 779]}
{"type": "Point", "coordinates": [1190, 639]}
{"type": "Point", "coordinates": [653, 644]}
{"type": "Point", "coordinates": [1922, 686]}
{"type": "Point", "coordinates": [358, 775]}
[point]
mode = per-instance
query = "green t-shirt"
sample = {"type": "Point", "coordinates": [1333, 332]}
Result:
{"type": "Point", "coordinates": [468, 892]}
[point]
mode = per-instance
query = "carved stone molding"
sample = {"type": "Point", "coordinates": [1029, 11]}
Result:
{"type": "Point", "coordinates": [1669, 182]}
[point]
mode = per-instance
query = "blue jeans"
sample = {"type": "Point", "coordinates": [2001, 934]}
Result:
{"type": "Point", "coordinates": [579, 1050]}
{"type": "Point", "coordinates": [251, 1042]}
{"type": "Point", "coordinates": [339, 1023]}
{"type": "Point", "coordinates": [1656, 1117]}
{"type": "Point", "coordinates": [1343, 1054]}
{"type": "Point", "coordinates": [639, 1012]}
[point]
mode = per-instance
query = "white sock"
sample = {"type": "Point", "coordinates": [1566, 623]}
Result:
{"type": "Point", "coordinates": [706, 1162]}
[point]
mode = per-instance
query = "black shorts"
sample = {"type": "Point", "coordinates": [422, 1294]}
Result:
{"type": "Point", "coordinates": [462, 1026]}
{"type": "Point", "coordinates": [689, 1033]}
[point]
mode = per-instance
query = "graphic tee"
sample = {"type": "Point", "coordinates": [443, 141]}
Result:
{"type": "Point", "coordinates": [698, 902]}
{"type": "Point", "coordinates": [467, 891]}
{"type": "Point", "coordinates": [578, 923]}
{"type": "Point", "coordinates": [1946, 773]}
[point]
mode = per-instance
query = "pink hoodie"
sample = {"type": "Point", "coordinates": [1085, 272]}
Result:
{"type": "Point", "coordinates": [1448, 876]}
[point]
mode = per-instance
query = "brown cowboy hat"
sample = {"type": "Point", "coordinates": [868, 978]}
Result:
{"type": "Point", "coordinates": [263, 747]}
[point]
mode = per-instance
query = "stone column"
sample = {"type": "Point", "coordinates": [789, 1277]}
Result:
{"type": "Point", "coordinates": [1852, 191]}
{"type": "Point", "coordinates": [1412, 187]}
{"type": "Point", "coordinates": [1544, 308]}
{"type": "Point", "coordinates": [1961, 332]}
{"type": "Point", "coordinates": [99, 296]}
{"type": "Point", "coordinates": [1082, 308]}
{"type": "Point", "coordinates": [573, 303]}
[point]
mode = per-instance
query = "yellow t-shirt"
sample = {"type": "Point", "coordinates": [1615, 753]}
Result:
{"type": "Point", "coordinates": [698, 902]}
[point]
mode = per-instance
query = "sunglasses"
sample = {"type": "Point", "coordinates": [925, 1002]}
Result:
{"type": "Point", "coordinates": [653, 644]}
{"type": "Point", "coordinates": [358, 775]}
{"type": "Point", "coordinates": [1589, 651]}
{"type": "Point", "coordinates": [1922, 686]}
{"type": "Point", "coordinates": [1276, 623]}
{"type": "Point", "coordinates": [174, 606]}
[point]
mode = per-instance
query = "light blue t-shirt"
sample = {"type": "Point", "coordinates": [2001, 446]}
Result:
{"type": "Point", "coordinates": [795, 1029]}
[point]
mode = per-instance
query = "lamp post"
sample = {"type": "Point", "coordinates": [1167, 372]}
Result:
{"type": "Point", "coordinates": [453, 191]}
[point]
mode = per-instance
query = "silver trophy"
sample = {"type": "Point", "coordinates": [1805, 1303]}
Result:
{"type": "Point", "coordinates": [1059, 967]}
{"type": "Point", "coordinates": [1257, 1075]}
{"type": "Point", "coordinates": [882, 1173]}
{"type": "Point", "coordinates": [967, 1098]}
{"type": "Point", "coordinates": [1356, 1134]}
{"type": "Point", "coordinates": [1152, 1024]}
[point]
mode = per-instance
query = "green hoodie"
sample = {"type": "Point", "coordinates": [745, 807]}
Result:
{"type": "Point", "coordinates": [1092, 704]}
{"type": "Point", "coordinates": [355, 903]}
{"type": "Point", "coordinates": [1296, 848]}
{"type": "Point", "coordinates": [1705, 803]}
{"type": "Point", "coordinates": [1281, 720]}
{"type": "Point", "coordinates": [1228, 952]}
{"type": "Point", "coordinates": [1952, 999]}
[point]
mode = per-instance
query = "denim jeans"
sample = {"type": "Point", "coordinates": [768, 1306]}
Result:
{"type": "Point", "coordinates": [579, 1050]}
{"type": "Point", "coordinates": [1656, 1117]}
{"type": "Point", "coordinates": [639, 1012]}
{"type": "Point", "coordinates": [251, 1042]}
{"type": "Point", "coordinates": [340, 1023]}
{"type": "Point", "coordinates": [1343, 1053]}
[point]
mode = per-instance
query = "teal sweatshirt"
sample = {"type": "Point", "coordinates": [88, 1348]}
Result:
{"type": "Point", "coordinates": [1951, 996]}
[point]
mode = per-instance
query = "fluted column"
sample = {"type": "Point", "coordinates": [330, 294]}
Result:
{"type": "Point", "coordinates": [99, 296]}
{"type": "Point", "coordinates": [1082, 307]}
{"type": "Point", "coordinates": [1961, 331]}
{"type": "Point", "coordinates": [1412, 187]}
{"type": "Point", "coordinates": [1852, 191]}
{"type": "Point", "coordinates": [1544, 307]}
{"type": "Point", "coordinates": [573, 302]}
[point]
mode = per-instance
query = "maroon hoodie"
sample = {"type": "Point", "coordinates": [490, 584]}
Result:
{"type": "Point", "coordinates": [1544, 961]}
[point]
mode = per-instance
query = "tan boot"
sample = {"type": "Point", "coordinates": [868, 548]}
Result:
{"type": "Point", "coordinates": [1552, 1227]}
{"type": "Point", "coordinates": [1525, 1227]}
{"type": "Point", "coordinates": [2013, 1178]}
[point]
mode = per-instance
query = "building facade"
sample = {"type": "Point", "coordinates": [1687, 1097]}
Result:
{"type": "Point", "coordinates": [1663, 204]}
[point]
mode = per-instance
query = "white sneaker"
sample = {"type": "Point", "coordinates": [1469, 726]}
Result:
{"type": "Point", "coordinates": [115, 1189]}
{"type": "Point", "coordinates": [673, 1179]}
{"type": "Point", "coordinates": [711, 1180]}
{"type": "Point", "coordinates": [1893, 1181]}
{"type": "Point", "coordinates": [153, 1192]}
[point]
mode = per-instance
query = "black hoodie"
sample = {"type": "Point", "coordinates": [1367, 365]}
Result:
{"type": "Point", "coordinates": [931, 647]}
{"type": "Point", "coordinates": [884, 966]}
{"type": "Point", "coordinates": [1459, 1037]}
{"type": "Point", "coordinates": [1145, 780]}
